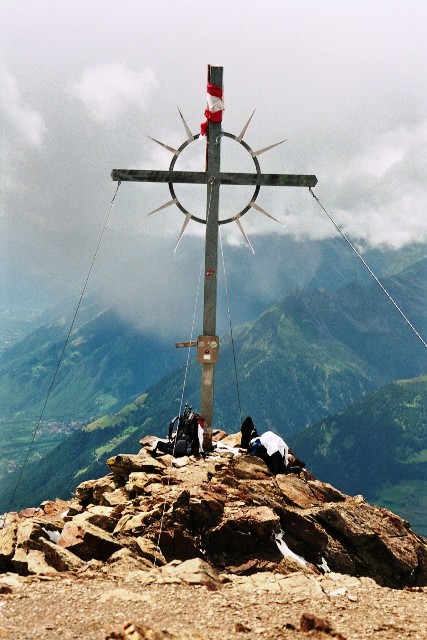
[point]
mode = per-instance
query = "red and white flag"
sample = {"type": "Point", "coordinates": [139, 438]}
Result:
{"type": "Point", "coordinates": [214, 109]}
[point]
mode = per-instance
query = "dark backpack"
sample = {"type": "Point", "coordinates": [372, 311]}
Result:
{"type": "Point", "coordinates": [186, 440]}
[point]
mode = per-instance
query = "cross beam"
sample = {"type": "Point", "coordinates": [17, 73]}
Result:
{"type": "Point", "coordinates": [202, 177]}
{"type": "Point", "coordinates": [213, 178]}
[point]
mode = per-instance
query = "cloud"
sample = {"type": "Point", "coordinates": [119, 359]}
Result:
{"type": "Point", "coordinates": [384, 189]}
{"type": "Point", "coordinates": [28, 122]}
{"type": "Point", "coordinates": [108, 90]}
{"type": "Point", "coordinates": [351, 114]}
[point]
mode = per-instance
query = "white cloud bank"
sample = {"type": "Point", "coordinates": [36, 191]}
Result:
{"type": "Point", "coordinates": [108, 90]}
{"type": "Point", "coordinates": [28, 122]}
{"type": "Point", "coordinates": [391, 204]}
{"type": "Point", "coordinates": [343, 82]}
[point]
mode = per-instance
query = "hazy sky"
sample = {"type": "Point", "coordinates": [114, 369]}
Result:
{"type": "Point", "coordinates": [82, 85]}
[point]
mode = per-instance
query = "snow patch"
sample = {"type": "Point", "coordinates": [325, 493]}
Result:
{"type": "Point", "coordinates": [323, 566]}
{"type": "Point", "coordinates": [52, 535]}
{"type": "Point", "coordinates": [341, 591]}
{"type": "Point", "coordinates": [285, 551]}
{"type": "Point", "coordinates": [226, 447]}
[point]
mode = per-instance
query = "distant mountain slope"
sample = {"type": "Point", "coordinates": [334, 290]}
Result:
{"type": "Point", "coordinates": [106, 363]}
{"type": "Point", "coordinates": [364, 320]}
{"type": "Point", "coordinates": [308, 356]}
{"type": "Point", "coordinates": [283, 264]}
{"type": "Point", "coordinates": [315, 352]}
{"type": "Point", "coordinates": [83, 454]}
{"type": "Point", "coordinates": [408, 498]}
{"type": "Point", "coordinates": [377, 447]}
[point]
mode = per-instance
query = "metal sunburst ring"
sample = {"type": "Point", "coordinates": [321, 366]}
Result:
{"type": "Point", "coordinates": [245, 209]}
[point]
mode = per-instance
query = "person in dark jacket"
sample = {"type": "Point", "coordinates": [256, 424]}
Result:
{"type": "Point", "coordinates": [248, 432]}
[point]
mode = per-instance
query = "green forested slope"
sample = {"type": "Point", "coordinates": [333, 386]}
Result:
{"type": "Point", "coordinates": [107, 362]}
{"type": "Point", "coordinates": [376, 447]}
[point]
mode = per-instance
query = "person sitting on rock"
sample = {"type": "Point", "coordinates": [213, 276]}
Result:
{"type": "Point", "coordinates": [271, 448]}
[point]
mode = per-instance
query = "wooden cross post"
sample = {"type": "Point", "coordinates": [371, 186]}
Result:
{"type": "Point", "coordinates": [213, 178]}
{"type": "Point", "coordinates": [213, 168]}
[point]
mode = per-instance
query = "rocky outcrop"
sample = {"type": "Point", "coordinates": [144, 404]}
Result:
{"type": "Point", "coordinates": [87, 541]}
{"type": "Point", "coordinates": [226, 510]}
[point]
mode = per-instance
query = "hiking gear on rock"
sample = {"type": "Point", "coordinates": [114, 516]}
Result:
{"type": "Point", "coordinates": [274, 462]}
{"type": "Point", "coordinates": [188, 439]}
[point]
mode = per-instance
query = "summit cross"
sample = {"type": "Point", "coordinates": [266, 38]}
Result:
{"type": "Point", "coordinates": [213, 178]}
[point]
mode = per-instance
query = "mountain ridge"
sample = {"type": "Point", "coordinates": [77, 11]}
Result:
{"type": "Point", "coordinates": [106, 362]}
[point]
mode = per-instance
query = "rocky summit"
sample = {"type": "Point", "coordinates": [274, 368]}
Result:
{"type": "Point", "coordinates": [211, 521]}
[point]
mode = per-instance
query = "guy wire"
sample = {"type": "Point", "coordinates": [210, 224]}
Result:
{"type": "Point", "coordinates": [408, 322]}
{"type": "Point", "coordinates": [49, 391]}
{"type": "Point", "coordinates": [195, 310]}
{"type": "Point", "coordinates": [191, 338]}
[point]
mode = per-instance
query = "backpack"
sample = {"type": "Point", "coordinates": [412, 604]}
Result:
{"type": "Point", "coordinates": [186, 440]}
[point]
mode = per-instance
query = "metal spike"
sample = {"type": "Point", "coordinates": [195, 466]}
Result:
{"type": "Point", "coordinates": [239, 224]}
{"type": "Point", "coordinates": [163, 206]}
{"type": "Point", "coordinates": [258, 208]}
{"type": "Point", "coordinates": [187, 128]}
{"type": "Point", "coordinates": [162, 144]}
{"type": "Point", "coordinates": [186, 221]}
{"type": "Point", "coordinates": [257, 153]}
{"type": "Point", "coordinates": [243, 131]}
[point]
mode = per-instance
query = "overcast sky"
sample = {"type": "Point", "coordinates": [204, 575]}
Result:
{"type": "Point", "coordinates": [82, 85]}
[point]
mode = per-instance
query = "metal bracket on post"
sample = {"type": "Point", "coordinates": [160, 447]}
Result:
{"type": "Point", "coordinates": [188, 343]}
